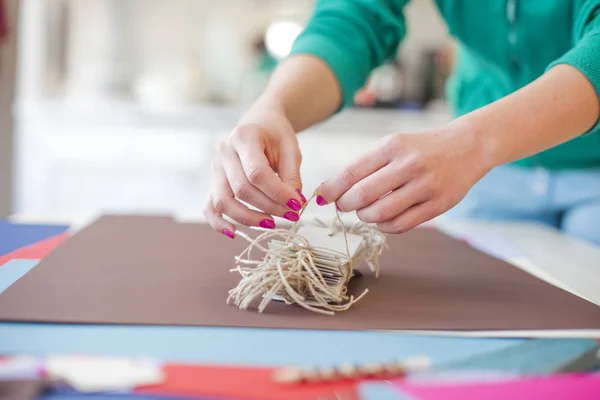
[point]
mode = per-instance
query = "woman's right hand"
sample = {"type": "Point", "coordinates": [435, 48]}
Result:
{"type": "Point", "coordinates": [257, 164]}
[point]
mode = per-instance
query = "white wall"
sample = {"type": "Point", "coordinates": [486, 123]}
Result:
{"type": "Point", "coordinates": [80, 157]}
{"type": "Point", "coordinates": [199, 46]}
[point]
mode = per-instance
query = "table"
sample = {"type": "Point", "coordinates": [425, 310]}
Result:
{"type": "Point", "coordinates": [271, 347]}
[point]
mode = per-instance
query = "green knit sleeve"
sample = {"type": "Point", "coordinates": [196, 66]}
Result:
{"type": "Point", "coordinates": [585, 54]}
{"type": "Point", "coordinates": [353, 37]}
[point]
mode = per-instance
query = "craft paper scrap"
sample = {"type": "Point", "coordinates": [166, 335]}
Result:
{"type": "Point", "coordinates": [320, 238]}
{"type": "Point", "coordinates": [20, 368]}
{"type": "Point", "coordinates": [21, 389]}
{"type": "Point", "coordinates": [381, 391]}
{"type": "Point", "coordinates": [71, 395]}
{"type": "Point", "coordinates": [15, 236]}
{"type": "Point", "coordinates": [225, 382]}
{"type": "Point", "coordinates": [37, 251]}
{"type": "Point", "coordinates": [98, 374]}
{"type": "Point", "coordinates": [14, 270]}
{"type": "Point", "coordinates": [556, 387]}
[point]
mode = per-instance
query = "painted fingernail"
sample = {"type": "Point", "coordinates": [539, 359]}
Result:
{"type": "Point", "coordinates": [301, 195]}
{"type": "Point", "coordinates": [337, 207]}
{"type": "Point", "coordinates": [267, 223]}
{"type": "Point", "coordinates": [228, 233]}
{"type": "Point", "coordinates": [321, 201]}
{"type": "Point", "coordinates": [294, 205]}
{"type": "Point", "coordinates": [291, 216]}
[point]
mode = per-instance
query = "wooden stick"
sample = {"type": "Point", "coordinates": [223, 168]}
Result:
{"type": "Point", "coordinates": [295, 375]}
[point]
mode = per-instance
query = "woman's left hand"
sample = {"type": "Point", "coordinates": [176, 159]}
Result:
{"type": "Point", "coordinates": [408, 179]}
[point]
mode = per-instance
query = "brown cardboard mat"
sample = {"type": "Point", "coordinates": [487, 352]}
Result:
{"type": "Point", "coordinates": [155, 271]}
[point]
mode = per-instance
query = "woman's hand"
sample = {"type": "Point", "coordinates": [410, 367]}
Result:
{"type": "Point", "coordinates": [408, 179]}
{"type": "Point", "coordinates": [259, 164]}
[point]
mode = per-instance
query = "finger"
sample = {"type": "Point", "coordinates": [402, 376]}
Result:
{"type": "Point", "coordinates": [217, 221]}
{"type": "Point", "coordinates": [373, 187]}
{"type": "Point", "coordinates": [392, 204]}
{"type": "Point", "coordinates": [224, 202]}
{"type": "Point", "coordinates": [409, 219]}
{"type": "Point", "coordinates": [245, 191]}
{"type": "Point", "coordinates": [288, 169]}
{"type": "Point", "coordinates": [340, 183]}
{"type": "Point", "coordinates": [260, 174]}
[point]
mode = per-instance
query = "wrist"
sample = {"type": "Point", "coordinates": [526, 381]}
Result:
{"type": "Point", "coordinates": [264, 107]}
{"type": "Point", "coordinates": [479, 143]}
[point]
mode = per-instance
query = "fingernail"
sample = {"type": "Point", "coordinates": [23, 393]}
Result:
{"type": "Point", "coordinates": [227, 232]}
{"type": "Point", "coordinates": [267, 223]}
{"type": "Point", "coordinates": [294, 205]}
{"type": "Point", "coordinates": [321, 201]}
{"type": "Point", "coordinates": [291, 216]}
{"type": "Point", "coordinates": [337, 207]}
{"type": "Point", "coordinates": [301, 195]}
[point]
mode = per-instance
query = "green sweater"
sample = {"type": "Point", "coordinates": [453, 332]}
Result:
{"type": "Point", "coordinates": [503, 45]}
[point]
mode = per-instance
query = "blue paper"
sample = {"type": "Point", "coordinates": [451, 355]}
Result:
{"type": "Point", "coordinates": [14, 270]}
{"type": "Point", "coordinates": [381, 391]}
{"type": "Point", "coordinates": [15, 236]}
{"type": "Point", "coordinates": [239, 346]}
{"type": "Point", "coordinates": [61, 395]}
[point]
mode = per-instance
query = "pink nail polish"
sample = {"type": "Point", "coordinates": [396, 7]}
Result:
{"type": "Point", "coordinates": [301, 195]}
{"type": "Point", "coordinates": [294, 205]}
{"type": "Point", "coordinates": [321, 201]}
{"type": "Point", "coordinates": [338, 207]}
{"type": "Point", "coordinates": [267, 223]}
{"type": "Point", "coordinates": [228, 233]}
{"type": "Point", "coordinates": [291, 216]}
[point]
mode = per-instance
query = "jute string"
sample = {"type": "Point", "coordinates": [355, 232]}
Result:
{"type": "Point", "coordinates": [289, 272]}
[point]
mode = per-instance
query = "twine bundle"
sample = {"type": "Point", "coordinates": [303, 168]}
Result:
{"type": "Point", "coordinates": [289, 272]}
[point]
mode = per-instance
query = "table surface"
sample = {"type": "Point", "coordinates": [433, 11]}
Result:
{"type": "Point", "coordinates": [548, 254]}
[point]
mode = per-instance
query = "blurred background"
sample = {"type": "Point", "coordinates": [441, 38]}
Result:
{"type": "Point", "coordinates": [117, 104]}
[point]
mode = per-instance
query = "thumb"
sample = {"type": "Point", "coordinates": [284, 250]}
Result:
{"type": "Point", "coordinates": [289, 163]}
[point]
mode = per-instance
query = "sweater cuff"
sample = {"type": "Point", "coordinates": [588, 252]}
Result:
{"type": "Point", "coordinates": [346, 69]}
{"type": "Point", "coordinates": [585, 56]}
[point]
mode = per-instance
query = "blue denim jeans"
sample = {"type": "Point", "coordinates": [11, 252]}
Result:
{"type": "Point", "coordinates": [568, 200]}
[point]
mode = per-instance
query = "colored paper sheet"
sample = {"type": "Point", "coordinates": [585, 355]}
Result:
{"type": "Point", "coordinates": [557, 387]}
{"type": "Point", "coordinates": [14, 270]}
{"type": "Point", "coordinates": [94, 374]}
{"type": "Point", "coordinates": [15, 236]}
{"type": "Point", "coordinates": [155, 271]}
{"type": "Point", "coordinates": [20, 389]}
{"type": "Point", "coordinates": [240, 346]}
{"type": "Point", "coordinates": [380, 391]}
{"type": "Point", "coordinates": [242, 383]}
{"type": "Point", "coordinates": [36, 251]}
{"type": "Point", "coordinates": [495, 245]}
{"type": "Point", "coordinates": [71, 395]}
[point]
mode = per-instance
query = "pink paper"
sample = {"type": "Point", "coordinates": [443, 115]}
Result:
{"type": "Point", "coordinates": [558, 387]}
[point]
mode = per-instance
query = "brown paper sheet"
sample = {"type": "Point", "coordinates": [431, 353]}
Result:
{"type": "Point", "coordinates": [21, 390]}
{"type": "Point", "coordinates": [153, 270]}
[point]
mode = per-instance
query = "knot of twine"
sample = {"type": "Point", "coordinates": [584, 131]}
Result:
{"type": "Point", "coordinates": [289, 272]}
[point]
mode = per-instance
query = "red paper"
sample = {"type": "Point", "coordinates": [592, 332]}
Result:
{"type": "Point", "coordinates": [557, 387]}
{"type": "Point", "coordinates": [36, 251]}
{"type": "Point", "coordinates": [241, 383]}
